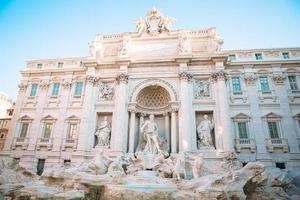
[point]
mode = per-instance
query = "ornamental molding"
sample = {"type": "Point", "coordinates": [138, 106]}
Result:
{"type": "Point", "coordinates": [278, 78]}
{"type": "Point", "coordinates": [90, 79]}
{"type": "Point", "coordinates": [124, 50]}
{"type": "Point", "coordinates": [44, 84]}
{"type": "Point", "coordinates": [184, 46]}
{"type": "Point", "coordinates": [220, 75]}
{"type": "Point", "coordinates": [122, 78]}
{"type": "Point", "coordinates": [250, 78]}
{"type": "Point", "coordinates": [67, 84]}
{"type": "Point", "coordinates": [154, 23]}
{"type": "Point", "coordinates": [185, 76]}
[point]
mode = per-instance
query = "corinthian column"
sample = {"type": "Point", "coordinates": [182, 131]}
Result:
{"type": "Point", "coordinates": [120, 115]}
{"type": "Point", "coordinates": [131, 131]}
{"type": "Point", "coordinates": [187, 137]}
{"type": "Point", "coordinates": [173, 131]}
{"type": "Point", "coordinates": [224, 130]}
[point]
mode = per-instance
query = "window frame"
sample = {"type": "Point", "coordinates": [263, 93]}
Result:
{"type": "Point", "coordinates": [261, 83]}
{"type": "Point", "coordinates": [272, 117]}
{"type": "Point", "coordinates": [39, 65]}
{"type": "Point", "coordinates": [258, 56]}
{"type": "Point", "coordinates": [293, 83]}
{"type": "Point", "coordinates": [72, 120]}
{"type": "Point", "coordinates": [60, 65]}
{"type": "Point", "coordinates": [81, 90]}
{"type": "Point", "coordinates": [31, 89]}
{"type": "Point", "coordinates": [53, 89]}
{"type": "Point", "coordinates": [285, 55]}
{"type": "Point", "coordinates": [233, 85]}
{"type": "Point", "coordinates": [242, 118]}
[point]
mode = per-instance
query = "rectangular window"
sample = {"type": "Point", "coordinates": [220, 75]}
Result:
{"type": "Point", "coordinates": [285, 55]}
{"type": "Point", "coordinates": [60, 65]}
{"type": "Point", "coordinates": [72, 131]}
{"type": "Point", "coordinates": [55, 89]}
{"type": "Point", "coordinates": [293, 82]}
{"type": "Point", "coordinates": [273, 130]}
{"type": "Point", "coordinates": [231, 57]}
{"type": "Point", "coordinates": [236, 85]}
{"type": "Point", "coordinates": [24, 129]}
{"type": "Point", "coordinates": [258, 56]}
{"type": "Point", "coordinates": [264, 84]}
{"type": "Point", "coordinates": [242, 128]}
{"type": "Point", "coordinates": [47, 130]}
{"type": "Point", "coordinates": [39, 66]}
{"type": "Point", "coordinates": [33, 90]}
{"type": "Point", "coordinates": [78, 88]}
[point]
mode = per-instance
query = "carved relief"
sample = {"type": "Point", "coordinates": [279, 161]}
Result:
{"type": "Point", "coordinates": [122, 78]}
{"type": "Point", "coordinates": [278, 78]}
{"type": "Point", "coordinates": [201, 89]}
{"type": "Point", "coordinates": [154, 23]}
{"type": "Point", "coordinates": [184, 46]}
{"type": "Point", "coordinates": [250, 78]}
{"type": "Point", "coordinates": [67, 84]}
{"type": "Point", "coordinates": [44, 84]}
{"type": "Point", "coordinates": [90, 79]}
{"type": "Point", "coordinates": [106, 91]}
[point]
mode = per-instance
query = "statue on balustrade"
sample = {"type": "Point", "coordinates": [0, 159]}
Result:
{"type": "Point", "coordinates": [103, 134]}
{"type": "Point", "coordinates": [204, 132]}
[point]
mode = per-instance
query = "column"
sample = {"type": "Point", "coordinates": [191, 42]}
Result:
{"type": "Point", "coordinates": [167, 127]}
{"type": "Point", "coordinates": [119, 134]}
{"type": "Point", "coordinates": [173, 131]}
{"type": "Point", "coordinates": [187, 138]}
{"type": "Point", "coordinates": [131, 131]}
{"type": "Point", "coordinates": [224, 129]}
{"type": "Point", "coordinates": [84, 134]}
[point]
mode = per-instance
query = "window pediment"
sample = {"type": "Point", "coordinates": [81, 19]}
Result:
{"type": "Point", "coordinates": [73, 118]}
{"type": "Point", "coordinates": [25, 118]}
{"type": "Point", "coordinates": [241, 117]}
{"type": "Point", "coordinates": [49, 118]}
{"type": "Point", "coordinates": [272, 117]}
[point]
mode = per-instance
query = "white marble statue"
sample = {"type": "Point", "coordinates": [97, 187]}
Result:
{"type": "Point", "coordinates": [150, 130]}
{"type": "Point", "coordinates": [179, 167]}
{"type": "Point", "coordinates": [103, 133]}
{"type": "Point", "coordinates": [140, 26]}
{"type": "Point", "coordinates": [204, 132]}
{"type": "Point", "coordinates": [106, 91]}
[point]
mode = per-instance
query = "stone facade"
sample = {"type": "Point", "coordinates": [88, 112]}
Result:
{"type": "Point", "coordinates": [251, 96]}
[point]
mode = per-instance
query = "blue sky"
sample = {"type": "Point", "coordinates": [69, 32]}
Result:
{"type": "Point", "coordinates": [35, 29]}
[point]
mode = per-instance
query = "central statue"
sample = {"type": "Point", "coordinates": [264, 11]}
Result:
{"type": "Point", "coordinates": [150, 131]}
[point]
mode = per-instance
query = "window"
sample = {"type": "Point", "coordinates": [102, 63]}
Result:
{"type": "Point", "coordinates": [280, 165]}
{"type": "Point", "coordinates": [24, 129]}
{"type": "Point", "coordinates": [273, 130]}
{"type": "Point", "coordinates": [33, 90]}
{"type": "Point", "coordinates": [236, 84]}
{"type": "Point", "coordinates": [258, 56]}
{"type": "Point", "coordinates": [293, 82]}
{"type": "Point", "coordinates": [72, 131]}
{"type": "Point", "coordinates": [60, 65]}
{"type": "Point", "coordinates": [231, 57]}
{"type": "Point", "coordinates": [242, 129]}
{"type": "Point", "coordinates": [55, 89]}
{"type": "Point", "coordinates": [39, 66]}
{"type": "Point", "coordinates": [47, 130]}
{"type": "Point", "coordinates": [264, 84]}
{"type": "Point", "coordinates": [78, 88]}
{"type": "Point", "coordinates": [285, 55]}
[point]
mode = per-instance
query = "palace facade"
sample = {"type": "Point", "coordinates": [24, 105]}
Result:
{"type": "Point", "coordinates": [251, 97]}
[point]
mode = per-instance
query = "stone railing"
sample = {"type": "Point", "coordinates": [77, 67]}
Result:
{"type": "Point", "coordinates": [238, 97]}
{"type": "Point", "coordinates": [265, 95]}
{"type": "Point", "coordinates": [19, 141]}
{"type": "Point", "coordinates": [112, 36]}
{"type": "Point", "coordinates": [245, 143]}
{"type": "Point", "coordinates": [44, 142]}
{"type": "Point", "coordinates": [278, 143]}
{"type": "Point", "coordinates": [69, 143]}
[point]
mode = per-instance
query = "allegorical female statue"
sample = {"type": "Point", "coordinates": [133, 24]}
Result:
{"type": "Point", "coordinates": [204, 132]}
{"type": "Point", "coordinates": [103, 133]}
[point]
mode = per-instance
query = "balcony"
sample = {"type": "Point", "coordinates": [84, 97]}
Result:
{"type": "Point", "coordinates": [245, 144]}
{"type": "Point", "coordinates": [238, 97]}
{"type": "Point", "coordinates": [21, 142]}
{"type": "Point", "coordinates": [44, 142]}
{"type": "Point", "coordinates": [293, 94]}
{"type": "Point", "coordinates": [277, 143]}
{"type": "Point", "coordinates": [267, 95]}
{"type": "Point", "coordinates": [69, 143]}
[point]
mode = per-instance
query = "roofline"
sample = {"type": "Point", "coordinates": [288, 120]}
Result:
{"type": "Point", "coordinates": [263, 49]}
{"type": "Point", "coordinates": [56, 59]}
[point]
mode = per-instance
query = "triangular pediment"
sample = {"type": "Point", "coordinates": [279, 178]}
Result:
{"type": "Point", "coordinates": [25, 117]}
{"type": "Point", "coordinates": [241, 116]}
{"type": "Point", "coordinates": [72, 117]}
{"type": "Point", "coordinates": [271, 115]}
{"type": "Point", "coordinates": [49, 117]}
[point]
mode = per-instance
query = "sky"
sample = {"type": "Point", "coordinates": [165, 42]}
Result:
{"type": "Point", "coordinates": [38, 29]}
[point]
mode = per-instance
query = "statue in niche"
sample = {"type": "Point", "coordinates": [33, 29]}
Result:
{"type": "Point", "coordinates": [204, 132]}
{"type": "Point", "coordinates": [103, 134]}
{"type": "Point", "coordinates": [150, 130]}
{"type": "Point", "coordinates": [106, 92]}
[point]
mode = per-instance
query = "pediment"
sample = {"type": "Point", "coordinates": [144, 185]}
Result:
{"type": "Point", "coordinates": [73, 117]}
{"type": "Point", "coordinates": [271, 115]}
{"type": "Point", "coordinates": [49, 117]}
{"type": "Point", "coordinates": [241, 116]}
{"type": "Point", "coordinates": [26, 117]}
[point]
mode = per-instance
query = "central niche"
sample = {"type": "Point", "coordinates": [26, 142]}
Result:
{"type": "Point", "coordinates": [153, 98]}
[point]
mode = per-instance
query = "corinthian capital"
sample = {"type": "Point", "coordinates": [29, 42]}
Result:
{"type": "Point", "coordinates": [220, 75]}
{"type": "Point", "coordinates": [44, 84]}
{"type": "Point", "coordinates": [122, 78]}
{"type": "Point", "coordinates": [22, 86]}
{"type": "Point", "coordinates": [185, 76]}
{"type": "Point", "coordinates": [90, 79]}
{"type": "Point", "coordinates": [278, 78]}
